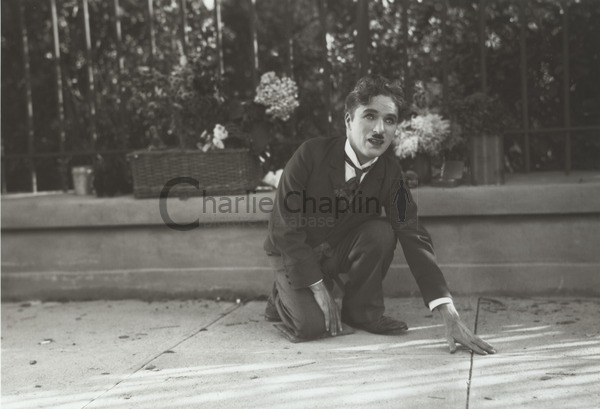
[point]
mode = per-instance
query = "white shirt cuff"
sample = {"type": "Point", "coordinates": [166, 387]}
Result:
{"type": "Point", "coordinates": [439, 301]}
{"type": "Point", "coordinates": [320, 281]}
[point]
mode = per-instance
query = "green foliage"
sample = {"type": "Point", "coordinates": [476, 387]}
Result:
{"type": "Point", "coordinates": [149, 105]}
{"type": "Point", "coordinates": [479, 114]}
{"type": "Point", "coordinates": [172, 110]}
{"type": "Point", "coordinates": [278, 21]}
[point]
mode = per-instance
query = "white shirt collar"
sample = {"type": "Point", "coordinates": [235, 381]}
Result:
{"type": "Point", "coordinates": [352, 155]}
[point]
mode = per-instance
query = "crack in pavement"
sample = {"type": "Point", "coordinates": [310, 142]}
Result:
{"type": "Point", "coordinates": [185, 338]}
{"type": "Point", "coordinates": [472, 353]}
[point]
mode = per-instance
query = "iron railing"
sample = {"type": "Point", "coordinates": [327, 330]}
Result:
{"type": "Point", "coordinates": [362, 43]}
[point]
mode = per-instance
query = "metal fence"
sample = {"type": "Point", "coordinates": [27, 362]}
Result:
{"type": "Point", "coordinates": [62, 156]}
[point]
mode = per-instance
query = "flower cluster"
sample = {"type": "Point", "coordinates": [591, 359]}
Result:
{"type": "Point", "coordinates": [424, 133]}
{"type": "Point", "coordinates": [214, 141]}
{"type": "Point", "coordinates": [278, 95]}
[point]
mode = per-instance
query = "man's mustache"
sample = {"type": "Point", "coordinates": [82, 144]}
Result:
{"type": "Point", "coordinates": [377, 136]}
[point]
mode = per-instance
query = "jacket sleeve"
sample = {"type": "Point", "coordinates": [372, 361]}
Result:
{"type": "Point", "coordinates": [285, 224]}
{"type": "Point", "coordinates": [415, 240]}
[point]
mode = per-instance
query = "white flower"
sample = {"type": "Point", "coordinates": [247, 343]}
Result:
{"type": "Point", "coordinates": [279, 95]}
{"type": "Point", "coordinates": [218, 143]}
{"type": "Point", "coordinates": [423, 133]}
{"type": "Point", "coordinates": [220, 132]}
{"type": "Point", "coordinates": [204, 136]}
{"type": "Point", "coordinates": [272, 178]}
{"type": "Point", "coordinates": [214, 141]}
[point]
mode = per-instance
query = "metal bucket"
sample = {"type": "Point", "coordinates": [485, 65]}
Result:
{"type": "Point", "coordinates": [82, 180]}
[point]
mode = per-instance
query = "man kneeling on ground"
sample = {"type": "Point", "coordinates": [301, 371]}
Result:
{"type": "Point", "coordinates": [327, 223]}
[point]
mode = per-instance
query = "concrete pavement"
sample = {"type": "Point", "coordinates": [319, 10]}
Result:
{"type": "Point", "coordinates": [198, 353]}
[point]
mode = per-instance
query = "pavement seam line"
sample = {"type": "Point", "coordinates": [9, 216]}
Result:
{"type": "Point", "coordinates": [472, 354]}
{"type": "Point", "coordinates": [185, 338]}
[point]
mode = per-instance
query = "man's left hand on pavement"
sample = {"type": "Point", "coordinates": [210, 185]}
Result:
{"type": "Point", "coordinates": [458, 332]}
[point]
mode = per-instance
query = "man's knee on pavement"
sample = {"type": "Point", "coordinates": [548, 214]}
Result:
{"type": "Point", "coordinates": [310, 326]}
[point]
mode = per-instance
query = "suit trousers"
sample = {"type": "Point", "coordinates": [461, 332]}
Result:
{"type": "Point", "coordinates": [362, 260]}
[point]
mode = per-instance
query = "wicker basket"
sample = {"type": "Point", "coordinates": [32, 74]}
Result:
{"type": "Point", "coordinates": [219, 172]}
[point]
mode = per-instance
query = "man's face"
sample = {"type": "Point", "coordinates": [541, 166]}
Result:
{"type": "Point", "coordinates": [372, 127]}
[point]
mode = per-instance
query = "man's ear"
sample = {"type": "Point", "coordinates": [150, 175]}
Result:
{"type": "Point", "coordinates": [347, 120]}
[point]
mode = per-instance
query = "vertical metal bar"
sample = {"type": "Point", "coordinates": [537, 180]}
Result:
{"type": "Point", "coordinates": [59, 96]}
{"type": "Point", "coordinates": [184, 37]}
{"type": "Point", "coordinates": [254, 39]}
{"type": "Point", "coordinates": [3, 168]}
{"type": "Point", "coordinates": [482, 46]}
{"type": "Point", "coordinates": [91, 94]}
{"type": "Point", "coordinates": [118, 38]}
{"type": "Point", "coordinates": [444, 56]}
{"type": "Point", "coordinates": [566, 81]}
{"type": "Point", "coordinates": [219, 35]}
{"type": "Point", "coordinates": [362, 37]}
{"type": "Point", "coordinates": [151, 31]}
{"type": "Point", "coordinates": [322, 9]}
{"type": "Point", "coordinates": [289, 54]}
{"type": "Point", "coordinates": [28, 95]}
{"type": "Point", "coordinates": [524, 95]}
{"type": "Point", "coordinates": [120, 69]}
{"type": "Point", "coordinates": [406, 66]}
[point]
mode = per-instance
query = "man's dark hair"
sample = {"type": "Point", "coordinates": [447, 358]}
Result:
{"type": "Point", "coordinates": [371, 86]}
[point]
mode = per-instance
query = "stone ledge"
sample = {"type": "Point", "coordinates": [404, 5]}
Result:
{"type": "Point", "coordinates": [551, 193]}
{"type": "Point", "coordinates": [543, 241]}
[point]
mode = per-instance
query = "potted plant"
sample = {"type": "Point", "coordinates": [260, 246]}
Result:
{"type": "Point", "coordinates": [423, 136]}
{"type": "Point", "coordinates": [191, 131]}
{"type": "Point", "coordinates": [483, 119]}
{"type": "Point", "coordinates": [263, 123]}
{"type": "Point", "coordinates": [264, 119]}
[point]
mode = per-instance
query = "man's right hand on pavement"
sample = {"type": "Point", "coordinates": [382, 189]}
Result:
{"type": "Point", "coordinates": [333, 319]}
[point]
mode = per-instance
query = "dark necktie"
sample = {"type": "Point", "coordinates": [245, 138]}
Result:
{"type": "Point", "coordinates": [351, 186]}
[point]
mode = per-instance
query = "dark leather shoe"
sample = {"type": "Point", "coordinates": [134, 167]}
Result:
{"type": "Point", "coordinates": [271, 313]}
{"type": "Point", "coordinates": [384, 326]}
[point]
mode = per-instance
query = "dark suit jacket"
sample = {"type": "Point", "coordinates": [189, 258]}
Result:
{"type": "Point", "coordinates": [308, 212]}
